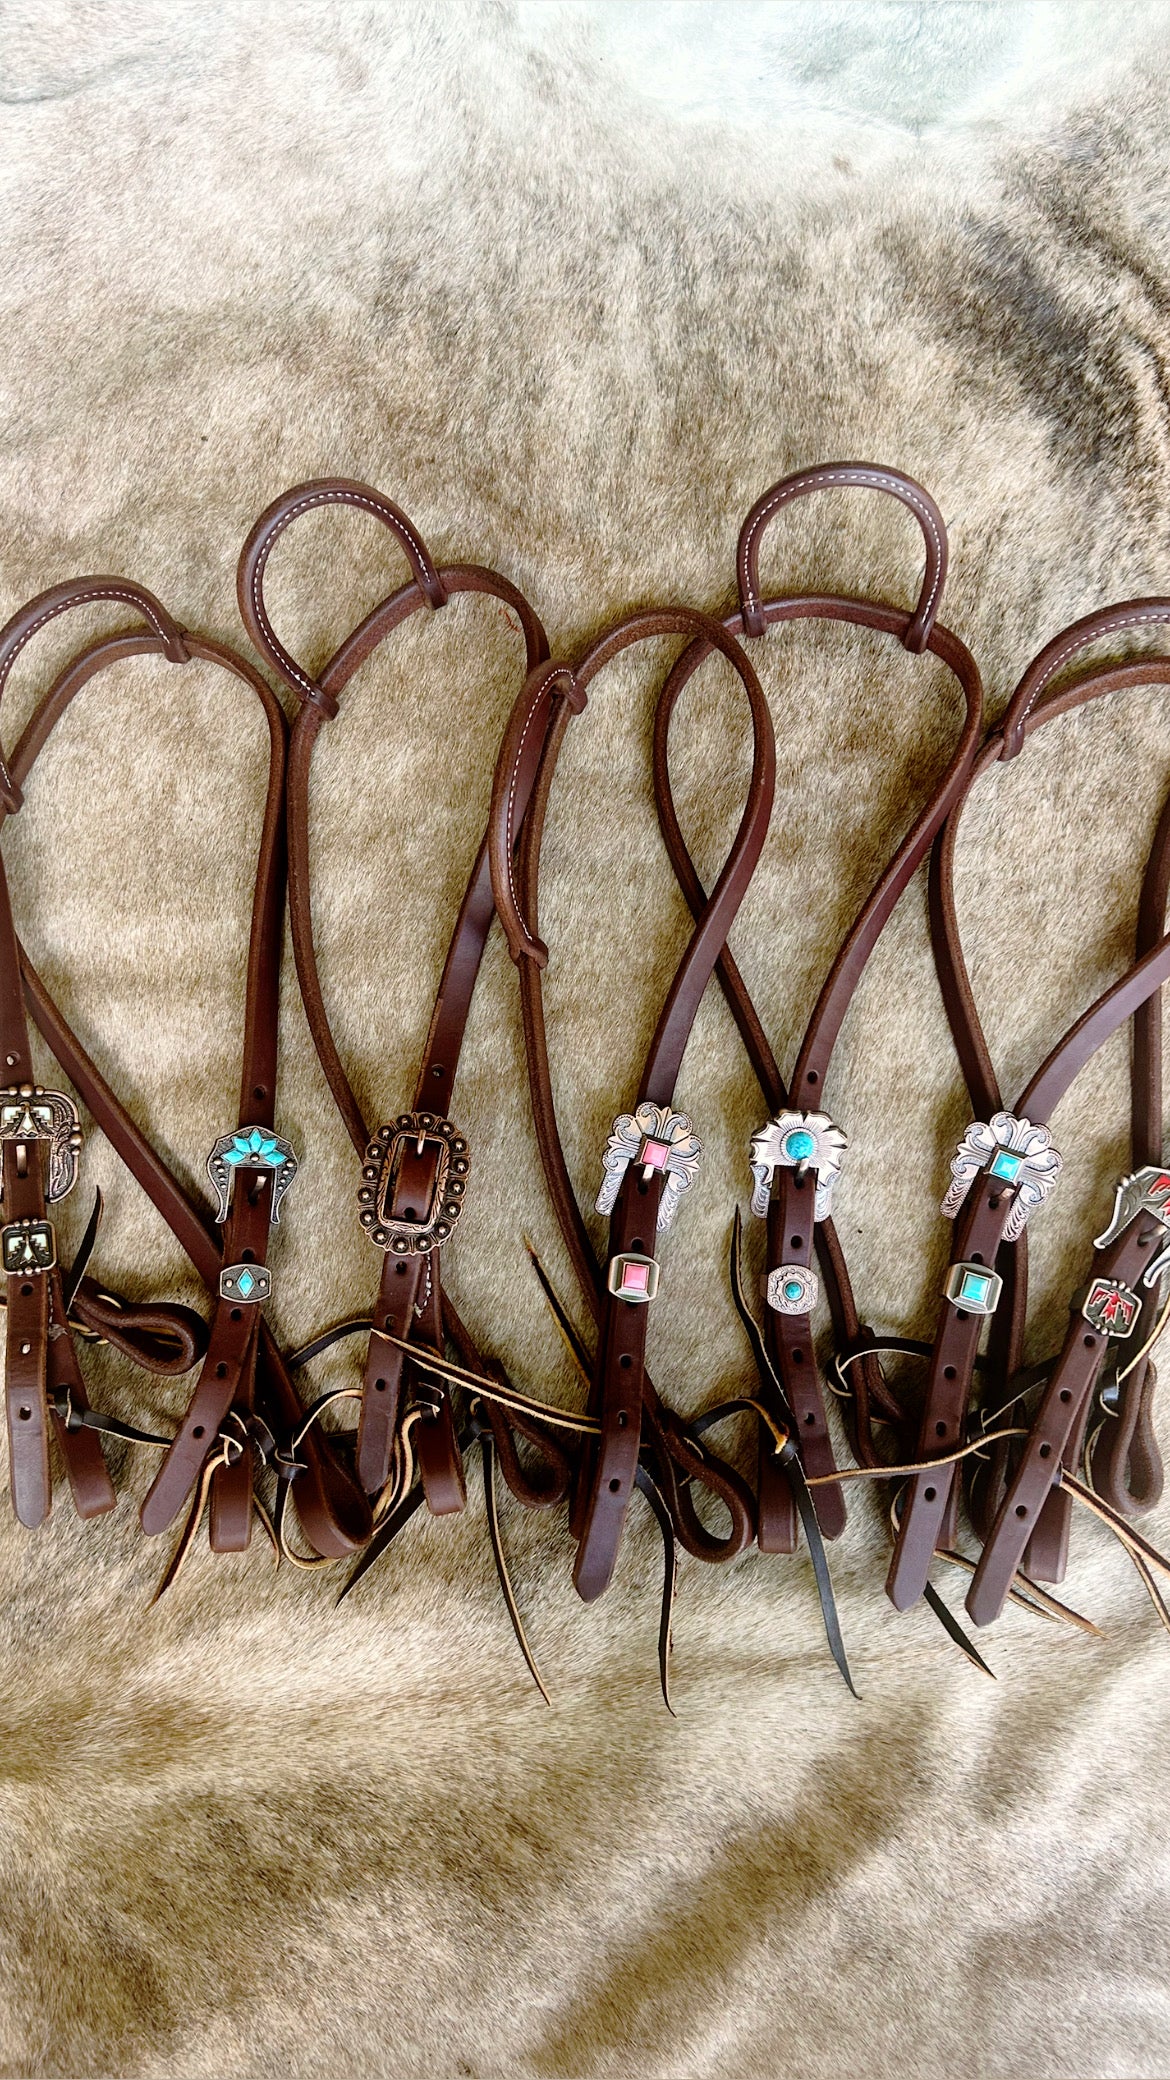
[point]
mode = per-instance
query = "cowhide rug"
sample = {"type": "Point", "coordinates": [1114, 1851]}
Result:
{"type": "Point", "coordinates": [574, 284]}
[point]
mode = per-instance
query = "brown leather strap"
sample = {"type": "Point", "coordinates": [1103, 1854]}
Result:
{"type": "Point", "coordinates": [833, 476]}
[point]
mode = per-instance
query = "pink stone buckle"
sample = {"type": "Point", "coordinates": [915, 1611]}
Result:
{"type": "Point", "coordinates": [653, 1157]}
{"type": "Point", "coordinates": [633, 1278]}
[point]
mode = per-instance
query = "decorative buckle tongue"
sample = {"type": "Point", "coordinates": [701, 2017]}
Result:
{"type": "Point", "coordinates": [418, 1230]}
{"type": "Point", "coordinates": [251, 1148]}
{"type": "Point", "coordinates": [1015, 1152]}
{"type": "Point", "coordinates": [800, 1141]}
{"type": "Point", "coordinates": [1144, 1191]}
{"type": "Point", "coordinates": [28, 1245]}
{"type": "Point", "coordinates": [28, 1113]}
{"type": "Point", "coordinates": [656, 1140]}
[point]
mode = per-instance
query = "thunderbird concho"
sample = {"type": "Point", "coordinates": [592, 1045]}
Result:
{"type": "Point", "coordinates": [656, 1140]}
{"type": "Point", "coordinates": [28, 1113]}
{"type": "Point", "coordinates": [418, 1232]}
{"type": "Point", "coordinates": [1144, 1191]}
{"type": "Point", "coordinates": [799, 1141]}
{"type": "Point", "coordinates": [1015, 1152]}
{"type": "Point", "coordinates": [1112, 1307]}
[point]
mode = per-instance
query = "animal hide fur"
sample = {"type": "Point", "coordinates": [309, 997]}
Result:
{"type": "Point", "coordinates": [574, 284]}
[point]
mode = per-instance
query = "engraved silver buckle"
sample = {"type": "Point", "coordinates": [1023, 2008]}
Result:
{"type": "Point", "coordinates": [28, 1113]}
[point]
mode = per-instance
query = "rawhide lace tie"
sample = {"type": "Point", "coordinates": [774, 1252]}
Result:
{"type": "Point", "coordinates": [1003, 1171]}
{"type": "Point", "coordinates": [244, 1400]}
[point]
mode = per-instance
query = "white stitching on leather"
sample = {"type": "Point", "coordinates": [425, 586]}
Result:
{"type": "Point", "coordinates": [880, 481]}
{"type": "Point", "coordinates": [1161, 614]}
{"type": "Point", "coordinates": [322, 498]}
{"type": "Point", "coordinates": [79, 599]}
{"type": "Point", "coordinates": [559, 671]}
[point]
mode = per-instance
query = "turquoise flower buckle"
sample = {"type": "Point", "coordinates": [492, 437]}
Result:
{"type": "Point", "coordinates": [251, 1148]}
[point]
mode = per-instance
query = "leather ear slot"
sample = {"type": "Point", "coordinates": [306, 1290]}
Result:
{"type": "Point", "coordinates": [833, 476]}
{"type": "Point", "coordinates": [305, 498]}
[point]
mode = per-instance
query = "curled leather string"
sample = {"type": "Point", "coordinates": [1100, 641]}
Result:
{"type": "Point", "coordinates": [327, 1502]}
{"type": "Point", "coordinates": [792, 1233]}
{"type": "Point", "coordinates": [1019, 1505]}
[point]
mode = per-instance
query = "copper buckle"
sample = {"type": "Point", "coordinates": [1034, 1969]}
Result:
{"type": "Point", "coordinates": [421, 1232]}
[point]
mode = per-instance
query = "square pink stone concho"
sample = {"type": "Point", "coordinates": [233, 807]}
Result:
{"type": "Point", "coordinates": [635, 1278]}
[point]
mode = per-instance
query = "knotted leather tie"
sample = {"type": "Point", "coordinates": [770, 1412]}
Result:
{"type": "Point", "coordinates": [800, 1149]}
{"type": "Point", "coordinates": [1004, 1169]}
{"type": "Point", "coordinates": [414, 1169]}
{"type": "Point", "coordinates": [653, 1152]}
{"type": "Point", "coordinates": [227, 1383]}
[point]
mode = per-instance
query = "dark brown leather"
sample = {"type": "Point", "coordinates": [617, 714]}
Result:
{"type": "Point", "coordinates": [1020, 1511]}
{"type": "Point", "coordinates": [411, 1305]}
{"type": "Point", "coordinates": [334, 1516]}
{"type": "Point", "coordinates": [631, 1416]}
{"type": "Point", "coordinates": [792, 1235]}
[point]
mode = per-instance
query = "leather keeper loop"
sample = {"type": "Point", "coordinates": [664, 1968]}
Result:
{"type": "Point", "coordinates": [864, 476]}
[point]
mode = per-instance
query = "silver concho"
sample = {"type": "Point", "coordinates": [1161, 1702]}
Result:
{"type": "Point", "coordinates": [28, 1245]}
{"type": "Point", "coordinates": [792, 1289]}
{"type": "Point", "coordinates": [427, 1226]}
{"type": "Point", "coordinates": [28, 1113]}
{"type": "Point", "coordinates": [798, 1141]}
{"type": "Point", "coordinates": [251, 1148]}
{"type": "Point", "coordinates": [1144, 1191]}
{"type": "Point", "coordinates": [658, 1140]}
{"type": "Point", "coordinates": [1016, 1152]}
{"type": "Point", "coordinates": [251, 1282]}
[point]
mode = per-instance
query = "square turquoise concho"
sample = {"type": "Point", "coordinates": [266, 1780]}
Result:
{"type": "Point", "coordinates": [1006, 1166]}
{"type": "Point", "coordinates": [974, 1287]}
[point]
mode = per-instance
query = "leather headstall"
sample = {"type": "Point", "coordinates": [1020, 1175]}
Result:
{"type": "Point", "coordinates": [1005, 1168]}
{"type": "Point", "coordinates": [244, 1400]}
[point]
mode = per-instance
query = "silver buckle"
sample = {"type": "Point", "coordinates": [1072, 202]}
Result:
{"type": "Point", "coordinates": [28, 1113]}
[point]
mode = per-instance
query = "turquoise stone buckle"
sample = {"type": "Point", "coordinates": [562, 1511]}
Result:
{"type": "Point", "coordinates": [974, 1288]}
{"type": "Point", "coordinates": [251, 1148]}
{"type": "Point", "coordinates": [245, 1282]}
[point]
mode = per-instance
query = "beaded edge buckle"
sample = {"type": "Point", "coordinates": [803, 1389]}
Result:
{"type": "Point", "coordinates": [417, 1237]}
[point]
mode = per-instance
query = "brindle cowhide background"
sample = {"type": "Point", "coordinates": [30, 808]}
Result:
{"type": "Point", "coordinates": [575, 283]}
